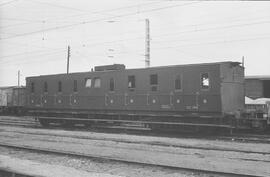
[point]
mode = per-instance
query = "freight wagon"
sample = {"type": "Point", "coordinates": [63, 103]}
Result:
{"type": "Point", "coordinates": [12, 100]}
{"type": "Point", "coordinates": [207, 96]}
{"type": "Point", "coordinates": [256, 115]}
{"type": "Point", "coordinates": [257, 105]}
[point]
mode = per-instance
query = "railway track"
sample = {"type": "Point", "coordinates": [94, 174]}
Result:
{"type": "Point", "coordinates": [22, 138]}
{"type": "Point", "coordinates": [121, 160]}
{"type": "Point", "coordinates": [19, 124]}
{"type": "Point", "coordinates": [238, 137]}
{"type": "Point", "coordinates": [19, 121]}
{"type": "Point", "coordinates": [117, 140]}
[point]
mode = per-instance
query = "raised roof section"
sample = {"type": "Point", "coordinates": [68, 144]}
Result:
{"type": "Point", "coordinates": [110, 67]}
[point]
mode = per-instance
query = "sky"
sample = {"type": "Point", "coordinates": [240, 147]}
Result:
{"type": "Point", "coordinates": [35, 35]}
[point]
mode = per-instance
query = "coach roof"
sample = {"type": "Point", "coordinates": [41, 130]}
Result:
{"type": "Point", "coordinates": [156, 67]}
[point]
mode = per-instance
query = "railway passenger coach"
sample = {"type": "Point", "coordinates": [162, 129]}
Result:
{"type": "Point", "coordinates": [200, 95]}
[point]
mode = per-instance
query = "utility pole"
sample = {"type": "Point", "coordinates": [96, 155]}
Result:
{"type": "Point", "coordinates": [18, 78]}
{"type": "Point", "coordinates": [243, 61]}
{"type": "Point", "coordinates": [68, 56]}
{"type": "Point", "coordinates": [147, 43]}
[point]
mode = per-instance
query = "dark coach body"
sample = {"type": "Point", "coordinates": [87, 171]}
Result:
{"type": "Point", "coordinates": [196, 90]}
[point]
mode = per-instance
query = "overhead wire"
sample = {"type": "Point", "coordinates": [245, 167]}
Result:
{"type": "Point", "coordinates": [156, 36]}
{"type": "Point", "coordinates": [32, 60]}
{"type": "Point", "coordinates": [229, 20]}
{"type": "Point", "coordinates": [220, 27]}
{"type": "Point", "coordinates": [215, 42]}
{"type": "Point", "coordinates": [22, 19]}
{"type": "Point", "coordinates": [100, 43]}
{"type": "Point", "coordinates": [31, 44]}
{"type": "Point", "coordinates": [59, 6]}
{"type": "Point", "coordinates": [215, 28]}
{"type": "Point", "coordinates": [211, 37]}
{"type": "Point", "coordinates": [125, 39]}
{"type": "Point", "coordinates": [26, 53]}
{"type": "Point", "coordinates": [204, 43]}
{"type": "Point", "coordinates": [6, 3]}
{"type": "Point", "coordinates": [207, 43]}
{"type": "Point", "coordinates": [15, 25]}
{"type": "Point", "coordinates": [107, 42]}
{"type": "Point", "coordinates": [159, 48]}
{"type": "Point", "coordinates": [188, 31]}
{"type": "Point", "coordinates": [198, 30]}
{"type": "Point", "coordinates": [101, 11]}
{"type": "Point", "coordinates": [93, 21]}
{"type": "Point", "coordinates": [45, 20]}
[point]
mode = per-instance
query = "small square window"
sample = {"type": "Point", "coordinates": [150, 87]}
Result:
{"type": "Point", "coordinates": [205, 81]}
{"type": "Point", "coordinates": [97, 82]}
{"type": "Point", "coordinates": [88, 83]}
{"type": "Point", "coordinates": [153, 79]}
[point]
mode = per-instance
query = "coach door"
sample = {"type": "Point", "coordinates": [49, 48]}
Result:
{"type": "Point", "coordinates": [191, 101]}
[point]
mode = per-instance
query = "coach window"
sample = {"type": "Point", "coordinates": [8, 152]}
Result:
{"type": "Point", "coordinates": [88, 82]}
{"type": "Point", "coordinates": [205, 81]}
{"type": "Point", "coordinates": [75, 86]}
{"type": "Point", "coordinates": [178, 83]}
{"type": "Point", "coordinates": [59, 86]}
{"type": "Point", "coordinates": [45, 87]}
{"type": "Point", "coordinates": [111, 84]}
{"type": "Point", "coordinates": [153, 82]}
{"type": "Point", "coordinates": [97, 82]}
{"type": "Point", "coordinates": [32, 87]}
{"type": "Point", "coordinates": [131, 82]}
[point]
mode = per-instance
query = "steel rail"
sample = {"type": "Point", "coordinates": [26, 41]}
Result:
{"type": "Point", "coordinates": [163, 144]}
{"type": "Point", "coordinates": [114, 159]}
{"type": "Point", "coordinates": [238, 137]}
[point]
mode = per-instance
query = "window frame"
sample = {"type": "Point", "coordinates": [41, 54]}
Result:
{"type": "Point", "coordinates": [153, 86]}
{"type": "Point", "coordinates": [133, 86]}
{"type": "Point", "coordinates": [45, 87]}
{"type": "Point", "coordinates": [59, 87]}
{"type": "Point", "coordinates": [94, 84]}
{"type": "Point", "coordinates": [113, 83]}
{"type": "Point", "coordinates": [75, 86]}
{"type": "Point", "coordinates": [85, 82]}
{"type": "Point", "coordinates": [201, 81]}
{"type": "Point", "coordinates": [151, 79]}
{"type": "Point", "coordinates": [181, 82]}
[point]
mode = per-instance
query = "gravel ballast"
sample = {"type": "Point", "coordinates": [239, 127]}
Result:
{"type": "Point", "coordinates": [252, 162]}
{"type": "Point", "coordinates": [13, 158]}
